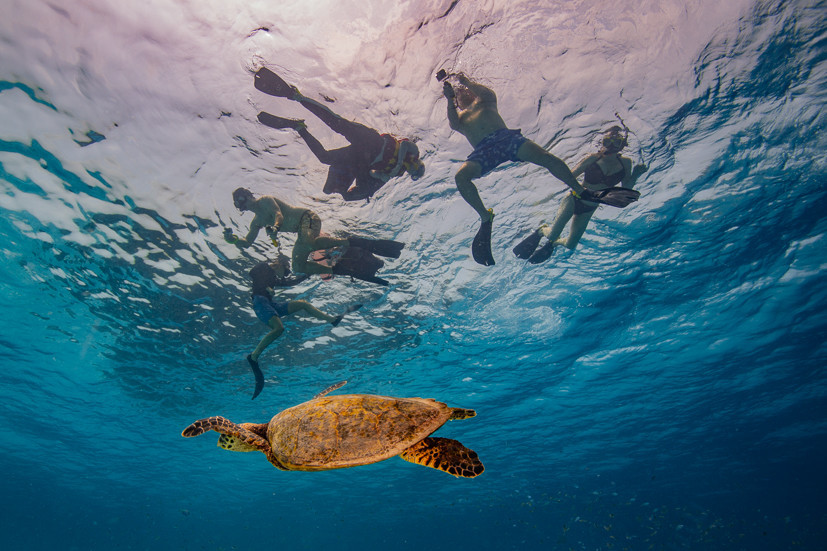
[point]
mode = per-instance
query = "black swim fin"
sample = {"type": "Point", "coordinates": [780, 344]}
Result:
{"type": "Point", "coordinates": [481, 247]}
{"type": "Point", "coordinates": [257, 374]}
{"type": "Point", "coordinates": [348, 310]}
{"type": "Point", "coordinates": [279, 122]}
{"type": "Point", "coordinates": [270, 83]}
{"type": "Point", "coordinates": [382, 247]}
{"type": "Point", "coordinates": [526, 247]}
{"type": "Point", "coordinates": [344, 270]}
{"type": "Point", "coordinates": [614, 196]}
{"type": "Point", "coordinates": [542, 254]}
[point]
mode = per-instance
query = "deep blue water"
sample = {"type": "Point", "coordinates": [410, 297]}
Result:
{"type": "Point", "coordinates": [661, 387]}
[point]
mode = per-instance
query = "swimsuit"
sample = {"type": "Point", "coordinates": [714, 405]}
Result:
{"type": "Point", "coordinates": [496, 148]}
{"type": "Point", "coordinates": [593, 177]}
{"type": "Point", "coordinates": [265, 308]}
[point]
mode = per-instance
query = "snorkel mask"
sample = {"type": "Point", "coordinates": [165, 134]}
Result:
{"type": "Point", "coordinates": [613, 141]}
{"type": "Point", "coordinates": [415, 167]}
{"type": "Point", "coordinates": [241, 198]}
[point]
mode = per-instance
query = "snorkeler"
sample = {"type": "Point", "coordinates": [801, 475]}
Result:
{"type": "Point", "coordinates": [472, 111]}
{"type": "Point", "coordinates": [601, 171]}
{"type": "Point", "coordinates": [265, 277]}
{"type": "Point", "coordinates": [371, 159]}
{"type": "Point", "coordinates": [274, 215]}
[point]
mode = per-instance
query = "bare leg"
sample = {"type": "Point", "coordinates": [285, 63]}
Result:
{"type": "Point", "coordinates": [564, 214]}
{"type": "Point", "coordinates": [530, 152]}
{"type": "Point", "coordinates": [276, 329]}
{"type": "Point", "coordinates": [364, 137]}
{"type": "Point", "coordinates": [465, 185]}
{"type": "Point", "coordinates": [304, 306]}
{"type": "Point", "coordinates": [578, 226]}
{"type": "Point", "coordinates": [309, 239]}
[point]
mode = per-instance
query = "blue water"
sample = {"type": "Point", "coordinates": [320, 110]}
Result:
{"type": "Point", "coordinates": [661, 387]}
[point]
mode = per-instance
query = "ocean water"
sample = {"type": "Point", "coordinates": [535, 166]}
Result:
{"type": "Point", "coordinates": [661, 387]}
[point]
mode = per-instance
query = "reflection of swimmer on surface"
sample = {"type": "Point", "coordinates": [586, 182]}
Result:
{"type": "Point", "coordinates": [276, 216]}
{"type": "Point", "coordinates": [601, 171]}
{"type": "Point", "coordinates": [371, 159]}
{"type": "Point", "coordinates": [472, 111]}
{"type": "Point", "coordinates": [265, 277]}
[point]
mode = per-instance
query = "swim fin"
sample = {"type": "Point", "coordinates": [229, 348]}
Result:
{"type": "Point", "coordinates": [348, 310]}
{"type": "Point", "coordinates": [257, 374]}
{"type": "Point", "coordinates": [614, 196]}
{"type": "Point", "coordinates": [526, 247]}
{"type": "Point", "coordinates": [279, 122]}
{"type": "Point", "coordinates": [542, 254]}
{"type": "Point", "coordinates": [270, 83]}
{"type": "Point", "coordinates": [481, 247]}
{"type": "Point", "coordinates": [346, 270]}
{"type": "Point", "coordinates": [382, 247]}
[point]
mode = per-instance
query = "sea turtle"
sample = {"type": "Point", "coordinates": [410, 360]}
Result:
{"type": "Point", "coordinates": [333, 432]}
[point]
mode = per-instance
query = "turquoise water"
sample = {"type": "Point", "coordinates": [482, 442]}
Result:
{"type": "Point", "coordinates": [661, 387]}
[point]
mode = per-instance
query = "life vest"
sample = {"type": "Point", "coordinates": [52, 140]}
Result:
{"type": "Point", "coordinates": [388, 157]}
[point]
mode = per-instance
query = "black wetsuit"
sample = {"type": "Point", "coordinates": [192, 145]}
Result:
{"type": "Point", "coordinates": [353, 162]}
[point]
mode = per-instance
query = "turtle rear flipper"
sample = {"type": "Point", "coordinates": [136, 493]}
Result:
{"type": "Point", "coordinates": [446, 455]}
{"type": "Point", "coordinates": [226, 427]}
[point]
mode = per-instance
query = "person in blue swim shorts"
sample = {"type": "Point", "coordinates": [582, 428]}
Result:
{"type": "Point", "coordinates": [472, 111]}
{"type": "Point", "coordinates": [269, 311]}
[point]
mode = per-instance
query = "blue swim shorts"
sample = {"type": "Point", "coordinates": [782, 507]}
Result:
{"type": "Point", "coordinates": [266, 308]}
{"type": "Point", "coordinates": [496, 148]}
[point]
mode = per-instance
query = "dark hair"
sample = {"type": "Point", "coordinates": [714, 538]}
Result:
{"type": "Point", "coordinates": [263, 276]}
{"type": "Point", "coordinates": [242, 191]}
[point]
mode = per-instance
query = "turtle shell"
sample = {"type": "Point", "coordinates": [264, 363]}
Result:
{"type": "Point", "coordinates": [346, 430]}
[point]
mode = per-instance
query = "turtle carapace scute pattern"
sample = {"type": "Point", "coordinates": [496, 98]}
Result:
{"type": "Point", "coordinates": [334, 432]}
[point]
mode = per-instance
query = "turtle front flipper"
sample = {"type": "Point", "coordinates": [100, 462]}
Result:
{"type": "Point", "coordinates": [228, 428]}
{"type": "Point", "coordinates": [232, 443]}
{"type": "Point", "coordinates": [446, 455]}
{"type": "Point", "coordinates": [461, 413]}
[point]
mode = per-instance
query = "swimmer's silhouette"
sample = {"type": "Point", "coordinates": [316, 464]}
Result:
{"type": "Point", "coordinates": [370, 160]}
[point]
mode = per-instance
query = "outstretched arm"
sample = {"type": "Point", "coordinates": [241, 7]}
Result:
{"type": "Point", "coordinates": [250, 238]}
{"type": "Point", "coordinates": [579, 169]}
{"type": "Point", "coordinates": [483, 93]}
{"type": "Point", "coordinates": [453, 116]}
{"type": "Point", "coordinates": [632, 174]}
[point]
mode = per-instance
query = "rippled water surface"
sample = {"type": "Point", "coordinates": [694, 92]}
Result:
{"type": "Point", "coordinates": [661, 387]}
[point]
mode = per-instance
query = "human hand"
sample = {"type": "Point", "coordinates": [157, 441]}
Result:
{"type": "Point", "coordinates": [229, 236]}
{"type": "Point", "coordinates": [448, 90]}
{"type": "Point", "coordinates": [639, 169]}
{"type": "Point", "coordinates": [273, 234]}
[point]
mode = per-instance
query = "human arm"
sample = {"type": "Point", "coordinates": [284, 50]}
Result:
{"type": "Point", "coordinates": [453, 116]}
{"type": "Point", "coordinates": [485, 94]}
{"type": "Point", "coordinates": [240, 242]}
{"type": "Point", "coordinates": [584, 164]}
{"type": "Point", "coordinates": [289, 281]}
{"type": "Point", "coordinates": [578, 170]}
{"type": "Point", "coordinates": [632, 173]}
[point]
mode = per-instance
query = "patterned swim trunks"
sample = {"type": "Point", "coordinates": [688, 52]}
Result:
{"type": "Point", "coordinates": [496, 148]}
{"type": "Point", "coordinates": [266, 308]}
